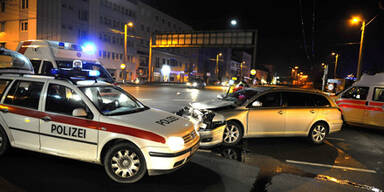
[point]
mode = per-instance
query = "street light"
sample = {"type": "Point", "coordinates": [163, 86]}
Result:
{"type": "Point", "coordinates": [356, 20]}
{"type": "Point", "coordinates": [234, 22]}
{"type": "Point", "coordinates": [325, 66]}
{"type": "Point", "coordinates": [217, 64]}
{"type": "Point", "coordinates": [241, 68]}
{"type": "Point", "coordinates": [129, 24]}
{"type": "Point", "coordinates": [336, 61]}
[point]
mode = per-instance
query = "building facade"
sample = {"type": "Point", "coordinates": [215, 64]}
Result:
{"type": "Point", "coordinates": [101, 22]}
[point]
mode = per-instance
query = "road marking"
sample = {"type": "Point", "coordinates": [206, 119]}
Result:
{"type": "Point", "coordinates": [331, 166]}
{"type": "Point", "coordinates": [180, 99]}
{"type": "Point", "coordinates": [142, 99]}
{"type": "Point", "coordinates": [334, 138]}
{"type": "Point", "coordinates": [145, 99]}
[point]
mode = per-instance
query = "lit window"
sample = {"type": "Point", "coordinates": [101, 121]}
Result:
{"type": "Point", "coordinates": [23, 25]}
{"type": "Point", "coordinates": [24, 4]}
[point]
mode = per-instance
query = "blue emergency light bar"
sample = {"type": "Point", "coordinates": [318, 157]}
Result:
{"type": "Point", "coordinates": [75, 74]}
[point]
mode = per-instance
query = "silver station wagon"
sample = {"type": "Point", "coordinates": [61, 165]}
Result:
{"type": "Point", "coordinates": [265, 112]}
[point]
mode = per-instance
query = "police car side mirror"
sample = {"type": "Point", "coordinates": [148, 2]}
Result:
{"type": "Point", "coordinates": [79, 112]}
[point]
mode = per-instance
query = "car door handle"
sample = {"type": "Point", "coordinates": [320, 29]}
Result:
{"type": "Point", "coordinates": [4, 110]}
{"type": "Point", "coordinates": [312, 111]}
{"type": "Point", "coordinates": [46, 118]}
{"type": "Point", "coordinates": [280, 112]}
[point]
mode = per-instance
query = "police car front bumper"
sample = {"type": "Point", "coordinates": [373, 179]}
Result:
{"type": "Point", "coordinates": [163, 163]}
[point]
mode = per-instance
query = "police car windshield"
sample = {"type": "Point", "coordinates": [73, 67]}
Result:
{"type": "Point", "coordinates": [104, 75]}
{"type": "Point", "coordinates": [112, 101]}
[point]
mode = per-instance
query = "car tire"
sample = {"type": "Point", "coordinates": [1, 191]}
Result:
{"type": "Point", "coordinates": [4, 142]}
{"type": "Point", "coordinates": [124, 163]}
{"type": "Point", "coordinates": [318, 133]}
{"type": "Point", "coordinates": [233, 133]}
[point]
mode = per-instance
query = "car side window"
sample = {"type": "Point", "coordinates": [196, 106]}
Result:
{"type": "Point", "coordinates": [378, 94]}
{"type": "Point", "coordinates": [25, 94]}
{"type": "Point", "coordinates": [270, 100]}
{"type": "Point", "coordinates": [63, 100]}
{"type": "Point", "coordinates": [47, 66]}
{"type": "Point", "coordinates": [3, 85]}
{"type": "Point", "coordinates": [296, 99]}
{"type": "Point", "coordinates": [36, 65]}
{"type": "Point", "coordinates": [320, 101]}
{"type": "Point", "coordinates": [358, 93]}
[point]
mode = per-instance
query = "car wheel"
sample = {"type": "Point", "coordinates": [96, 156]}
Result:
{"type": "Point", "coordinates": [233, 133]}
{"type": "Point", "coordinates": [124, 163]}
{"type": "Point", "coordinates": [318, 133]}
{"type": "Point", "coordinates": [4, 142]}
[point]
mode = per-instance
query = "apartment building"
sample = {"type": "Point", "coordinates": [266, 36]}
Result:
{"type": "Point", "coordinates": [101, 22]}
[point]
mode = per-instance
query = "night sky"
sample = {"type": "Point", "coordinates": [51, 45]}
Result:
{"type": "Point", "coordinates": [283, 40]}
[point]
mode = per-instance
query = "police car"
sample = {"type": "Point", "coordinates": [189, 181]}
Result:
{"type": "Point", "coordinates": [88, 120]}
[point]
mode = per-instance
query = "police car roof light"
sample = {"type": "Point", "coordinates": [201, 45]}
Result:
{"type": "Point", "coordinates": [74, 75]}
{"type": "Point", "coordinates": [93, 73]}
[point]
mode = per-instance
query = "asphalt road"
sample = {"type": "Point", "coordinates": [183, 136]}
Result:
{"type": "Point", "coordinates": [350, 160]}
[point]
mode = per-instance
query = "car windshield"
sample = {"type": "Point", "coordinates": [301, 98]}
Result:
{"type": "Point", "coordinates": [111, 100]}
{"type": "Point", "coordinates": [104, 75]}
{"type": "Point", "coordinates": [239, 97]}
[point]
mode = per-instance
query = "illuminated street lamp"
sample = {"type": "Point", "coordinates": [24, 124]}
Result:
{"type": "Point", "coordinates": [233, 22]}
{"type": "Point", "coordinates": [336, 61]}
{"type": "Point", "coordinates": [324, 75]}
{"type": "Point", "coordinates": [130, 25]}
{"type": "Point", "coordinates": [354, 21]}
{"type": "Point", "coordinates": [217, 64]}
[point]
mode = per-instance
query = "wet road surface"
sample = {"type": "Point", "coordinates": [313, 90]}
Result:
{"type": "Point", "coordinates": [350, 160]}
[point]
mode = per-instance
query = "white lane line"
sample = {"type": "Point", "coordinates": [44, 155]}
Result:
{"type": "Point", "coordinates": [180, 99]}
{"type": "Point", "coordinates": [334, 138]}
{"type": "Point", "coordinates": [145, 99]}
{"type": "Point", "coordinates": [331, 166]}
{"type": "Point", "coordinates": [142, 99]}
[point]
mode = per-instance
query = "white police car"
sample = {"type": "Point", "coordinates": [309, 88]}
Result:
{"type": "Point", "coordinates": [89, 121]}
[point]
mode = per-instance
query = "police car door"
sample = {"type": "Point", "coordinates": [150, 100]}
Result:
{"type": "Point", "coordinates": [68, 128]}
{"type": "Point", "coordinates": [20, 111]}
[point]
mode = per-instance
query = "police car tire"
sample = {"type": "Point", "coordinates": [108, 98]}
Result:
{"type": "Point", "coordinates": [4, 141]}
{"type": "Point", "coordinates": [113, 151]}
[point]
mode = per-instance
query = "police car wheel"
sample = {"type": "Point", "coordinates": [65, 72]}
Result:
{"type": "Point", "coordinates": [4, 143]}
{"type": "Point", "coordinates": [124, 163]}
{"type": "Point", "coordinates": [318, 133]}
{"type": "Point", "coordinates": [233, 133]}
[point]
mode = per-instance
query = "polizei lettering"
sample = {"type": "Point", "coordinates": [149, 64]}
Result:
{"type": "Point", "coordinates": [167, 120]}
{"type": "Point", "coordinates": [69, 131]}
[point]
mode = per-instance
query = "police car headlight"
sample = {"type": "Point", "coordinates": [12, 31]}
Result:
{"type": "Point", "coordinates": [175, 143]}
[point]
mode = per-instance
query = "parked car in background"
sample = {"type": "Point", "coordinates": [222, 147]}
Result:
{"type": "Point", "coordinates": [265, 112]}
{"type": "Point", "coordinates": [196, 83]}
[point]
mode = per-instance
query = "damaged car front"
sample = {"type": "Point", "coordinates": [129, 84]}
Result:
{"type": "Point", "coordinates": [211, 117]}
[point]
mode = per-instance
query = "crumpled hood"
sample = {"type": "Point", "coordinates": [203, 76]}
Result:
{"type": "Point", "coordinates": [212, 104]}
{"type": "Point", "coordinates": [152, 120]}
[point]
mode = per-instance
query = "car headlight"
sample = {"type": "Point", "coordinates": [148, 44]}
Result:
{"type": "Point", "coordinates": [175, 143]}
{"type": "Point", "coordinates": [189, 84]}
{"type": "Point", "coordinates": [194, 84]}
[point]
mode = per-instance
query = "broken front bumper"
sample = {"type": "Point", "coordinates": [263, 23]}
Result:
{"type": "Point", "coordinates": [210, 125]}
